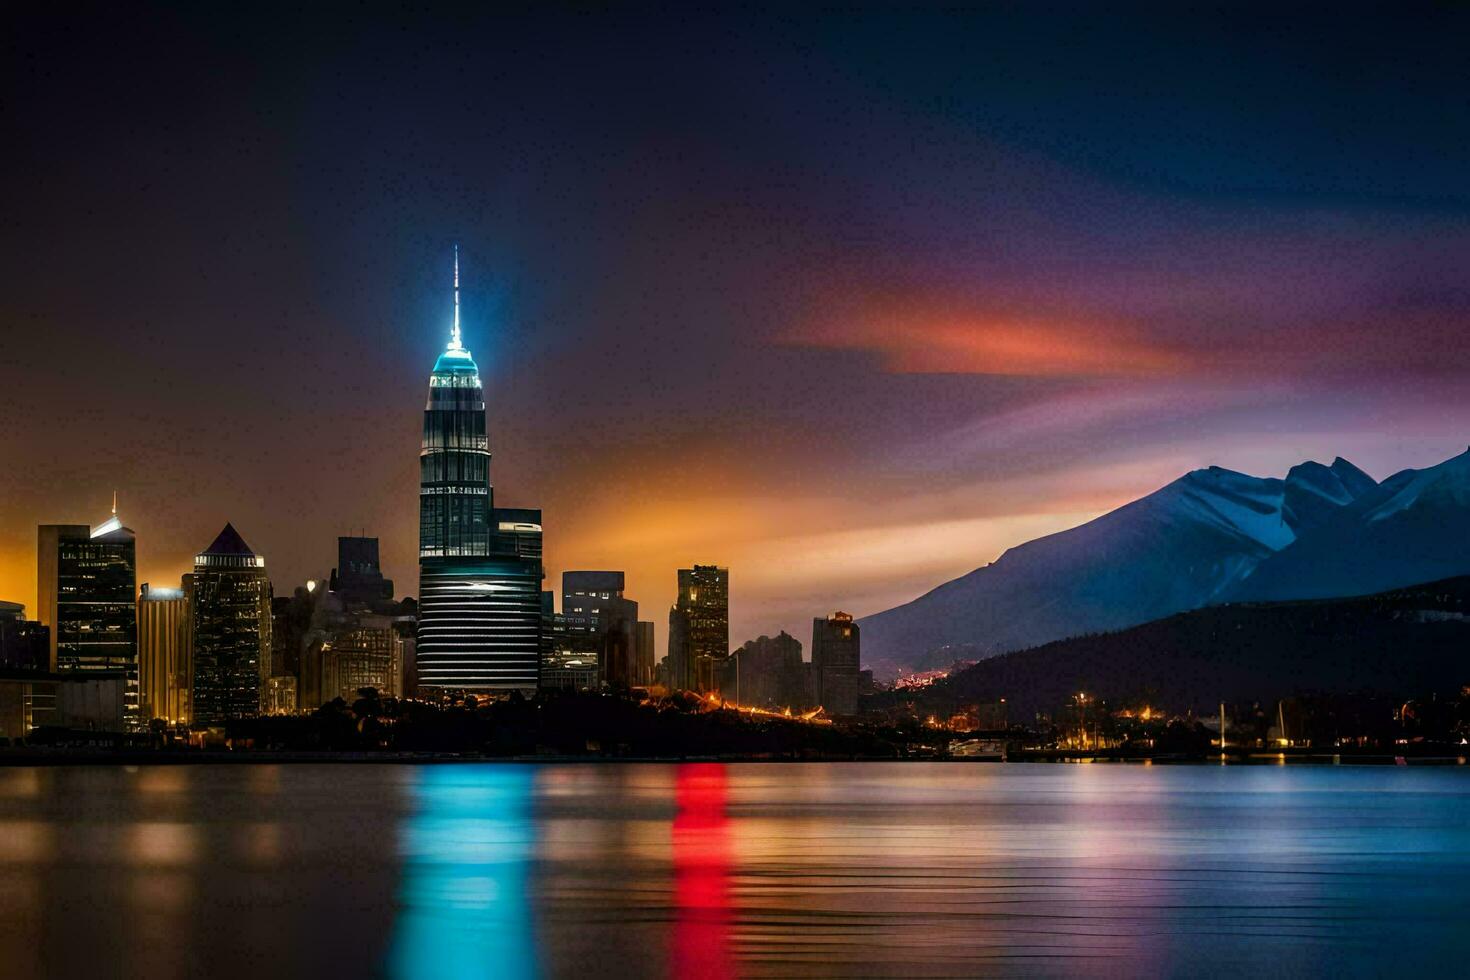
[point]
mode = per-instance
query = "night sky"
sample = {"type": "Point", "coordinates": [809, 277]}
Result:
{"type": "Point", "coordinates": [847, 301]}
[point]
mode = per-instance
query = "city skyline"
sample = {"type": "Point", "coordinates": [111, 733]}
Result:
{"type": "Point", "coordinates": [848, 315]}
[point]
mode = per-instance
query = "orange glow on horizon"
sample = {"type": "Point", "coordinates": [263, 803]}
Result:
{"type": "Point", "coordinates": [978, 344]}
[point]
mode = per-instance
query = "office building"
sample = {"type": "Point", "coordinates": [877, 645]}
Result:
{"type": "Point", "coordinates": [230, 597]}
{"type": "Point", "coordinates": [87, 592]}
{"type": "Point", "coordinates": [699, 629]}
{"type": "Point", "coordinates": [572, 657]}
{"type": "Point", "coordinates": [836, 669]}
{"type": "Point", "coordinates": [165, 647]}
{"type": "Point", "coordinates": [358, 578]}
{"type": "Point", "coordinates": [367, 653]}
{"type": "Point", "coordinates": [279, 697]}
{"type": "Point", "coordinates": [479, 625]}
{"type": "Point", "coordinates": [595, 600]}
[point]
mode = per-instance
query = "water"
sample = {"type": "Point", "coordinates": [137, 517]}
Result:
{"type": "Point", "coordinates": [731, 870]}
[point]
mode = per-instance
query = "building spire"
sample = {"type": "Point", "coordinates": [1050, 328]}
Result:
{"type": "Point", "coordinates": [454, 342]}
{"type": "Point", "coordinates": [114, 503]}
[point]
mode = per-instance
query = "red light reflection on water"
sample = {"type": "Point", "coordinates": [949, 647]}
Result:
{"type": "Point", "coordinates": [701, 872]}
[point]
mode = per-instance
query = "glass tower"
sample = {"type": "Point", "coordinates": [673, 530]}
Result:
{"type": "Point", "coordinates": [87, 589]}
{"type": "Point", "coordinates": [230, 597]}
{"type": "Point", "coordinates": [479, 622]}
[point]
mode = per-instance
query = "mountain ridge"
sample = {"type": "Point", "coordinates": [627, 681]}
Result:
{"type": "Point", "coordinates": [1212, 535]}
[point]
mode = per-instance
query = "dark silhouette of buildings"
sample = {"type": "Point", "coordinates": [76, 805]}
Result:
{"type": "Point", "coordinates": [836, 663]}
{"type": "Point", "coordinates": [768, 672]}
{"type": "Point", "coordinates": [24, 644]}
{"type": "Point", "coordinates": [231, 601]}
{"type": "Point", "coordinates": [479, 626]}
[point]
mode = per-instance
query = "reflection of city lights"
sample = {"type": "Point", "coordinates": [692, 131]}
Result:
{"type": "Point", "coordinates": [25, 842]}
{"type": "Point", "coordinates": [701, 850]}
{"type": "Point", "coordinates": [162, 843]}
{"type": "Point", "coordinates": [465, 897]}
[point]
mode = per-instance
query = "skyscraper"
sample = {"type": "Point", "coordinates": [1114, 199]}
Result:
{"type": "Point", "coordinates": [836, 666]}
{"type": "Point", "coordinates": [699, 628]}
{"type": "Point", "coordinates": [87, 588]}
{"type": "Point", "coordinates": [358, 577]}
{"type": "Point", "coordinates": [165, 642]}
{"type": "Point", "coordinates": [480, 570]}
{"type": "Point", "coordinates": [231, 601]}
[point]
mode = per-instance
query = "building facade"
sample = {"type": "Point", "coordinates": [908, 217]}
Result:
{"type": "Point", "coordinates": [480, 572]}
{"type": "Point", "coordinates": [645, 653]}
{"type": "Point", "coordinates": [230, 597]}
{"type": "Point", "coordinates": [87, 591]}
{"type": "Point", "coordinates": [836, 663]}
{"type": "Point", "coordinates": [699, 629]}
{"type": "Point", "coordinates": [165, 648]}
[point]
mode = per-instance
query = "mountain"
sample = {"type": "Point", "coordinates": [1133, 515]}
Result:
{"type": "Point", "coordinates": [1404, 642]}
{"type": "Point", "coordinates": [1413, 527]}
{"type": "Point", "coordinates": [1186, 545]}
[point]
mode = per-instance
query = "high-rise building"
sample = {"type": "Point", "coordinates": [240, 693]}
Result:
{"type": "Point", "coordinates": [479, 626]}
{"type": "Point", "coordinates": [836, 666]}
{"type": "Point", "coordinates": [165, 646]}
{"type": "Point", "coordinates": [231, 600]}
{"type": "Point", "coordinates": [645, 652]}
{"type": "Point", "coordinates": [699, 628]}
{"type": "Point", "coordinates": [678, 671]}
{"type": "Point", "coordinates": [87, 589]}
{"type": "Point", "coordinates": [358, 578]}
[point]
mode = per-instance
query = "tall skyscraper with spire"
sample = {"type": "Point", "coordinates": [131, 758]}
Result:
{"type": "Point", "coordinates": [480, 572]}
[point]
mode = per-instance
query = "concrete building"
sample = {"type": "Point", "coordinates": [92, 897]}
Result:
{"type": "Point", "coordinates": [368, 653]}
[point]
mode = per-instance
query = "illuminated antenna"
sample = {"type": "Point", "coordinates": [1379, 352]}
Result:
{"type": "Point", "coordinates": [454, 343]}
{"type": "Point", "coordinates": [114, 503]}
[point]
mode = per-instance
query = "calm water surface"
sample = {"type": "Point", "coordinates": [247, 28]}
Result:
{"type": "Point", "coordinates": [731, 870]}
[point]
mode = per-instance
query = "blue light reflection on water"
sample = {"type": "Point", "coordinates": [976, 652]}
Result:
{"type": "Point", "coordinates": [465, 903]}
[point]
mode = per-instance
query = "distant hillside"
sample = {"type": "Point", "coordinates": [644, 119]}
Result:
{"type": "Point", "coordinates": [1410, 641]}
{"type": "Point", "coordinates": [1182, 547]}
{"type": "Point", "coordinates": [1211, 536]}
